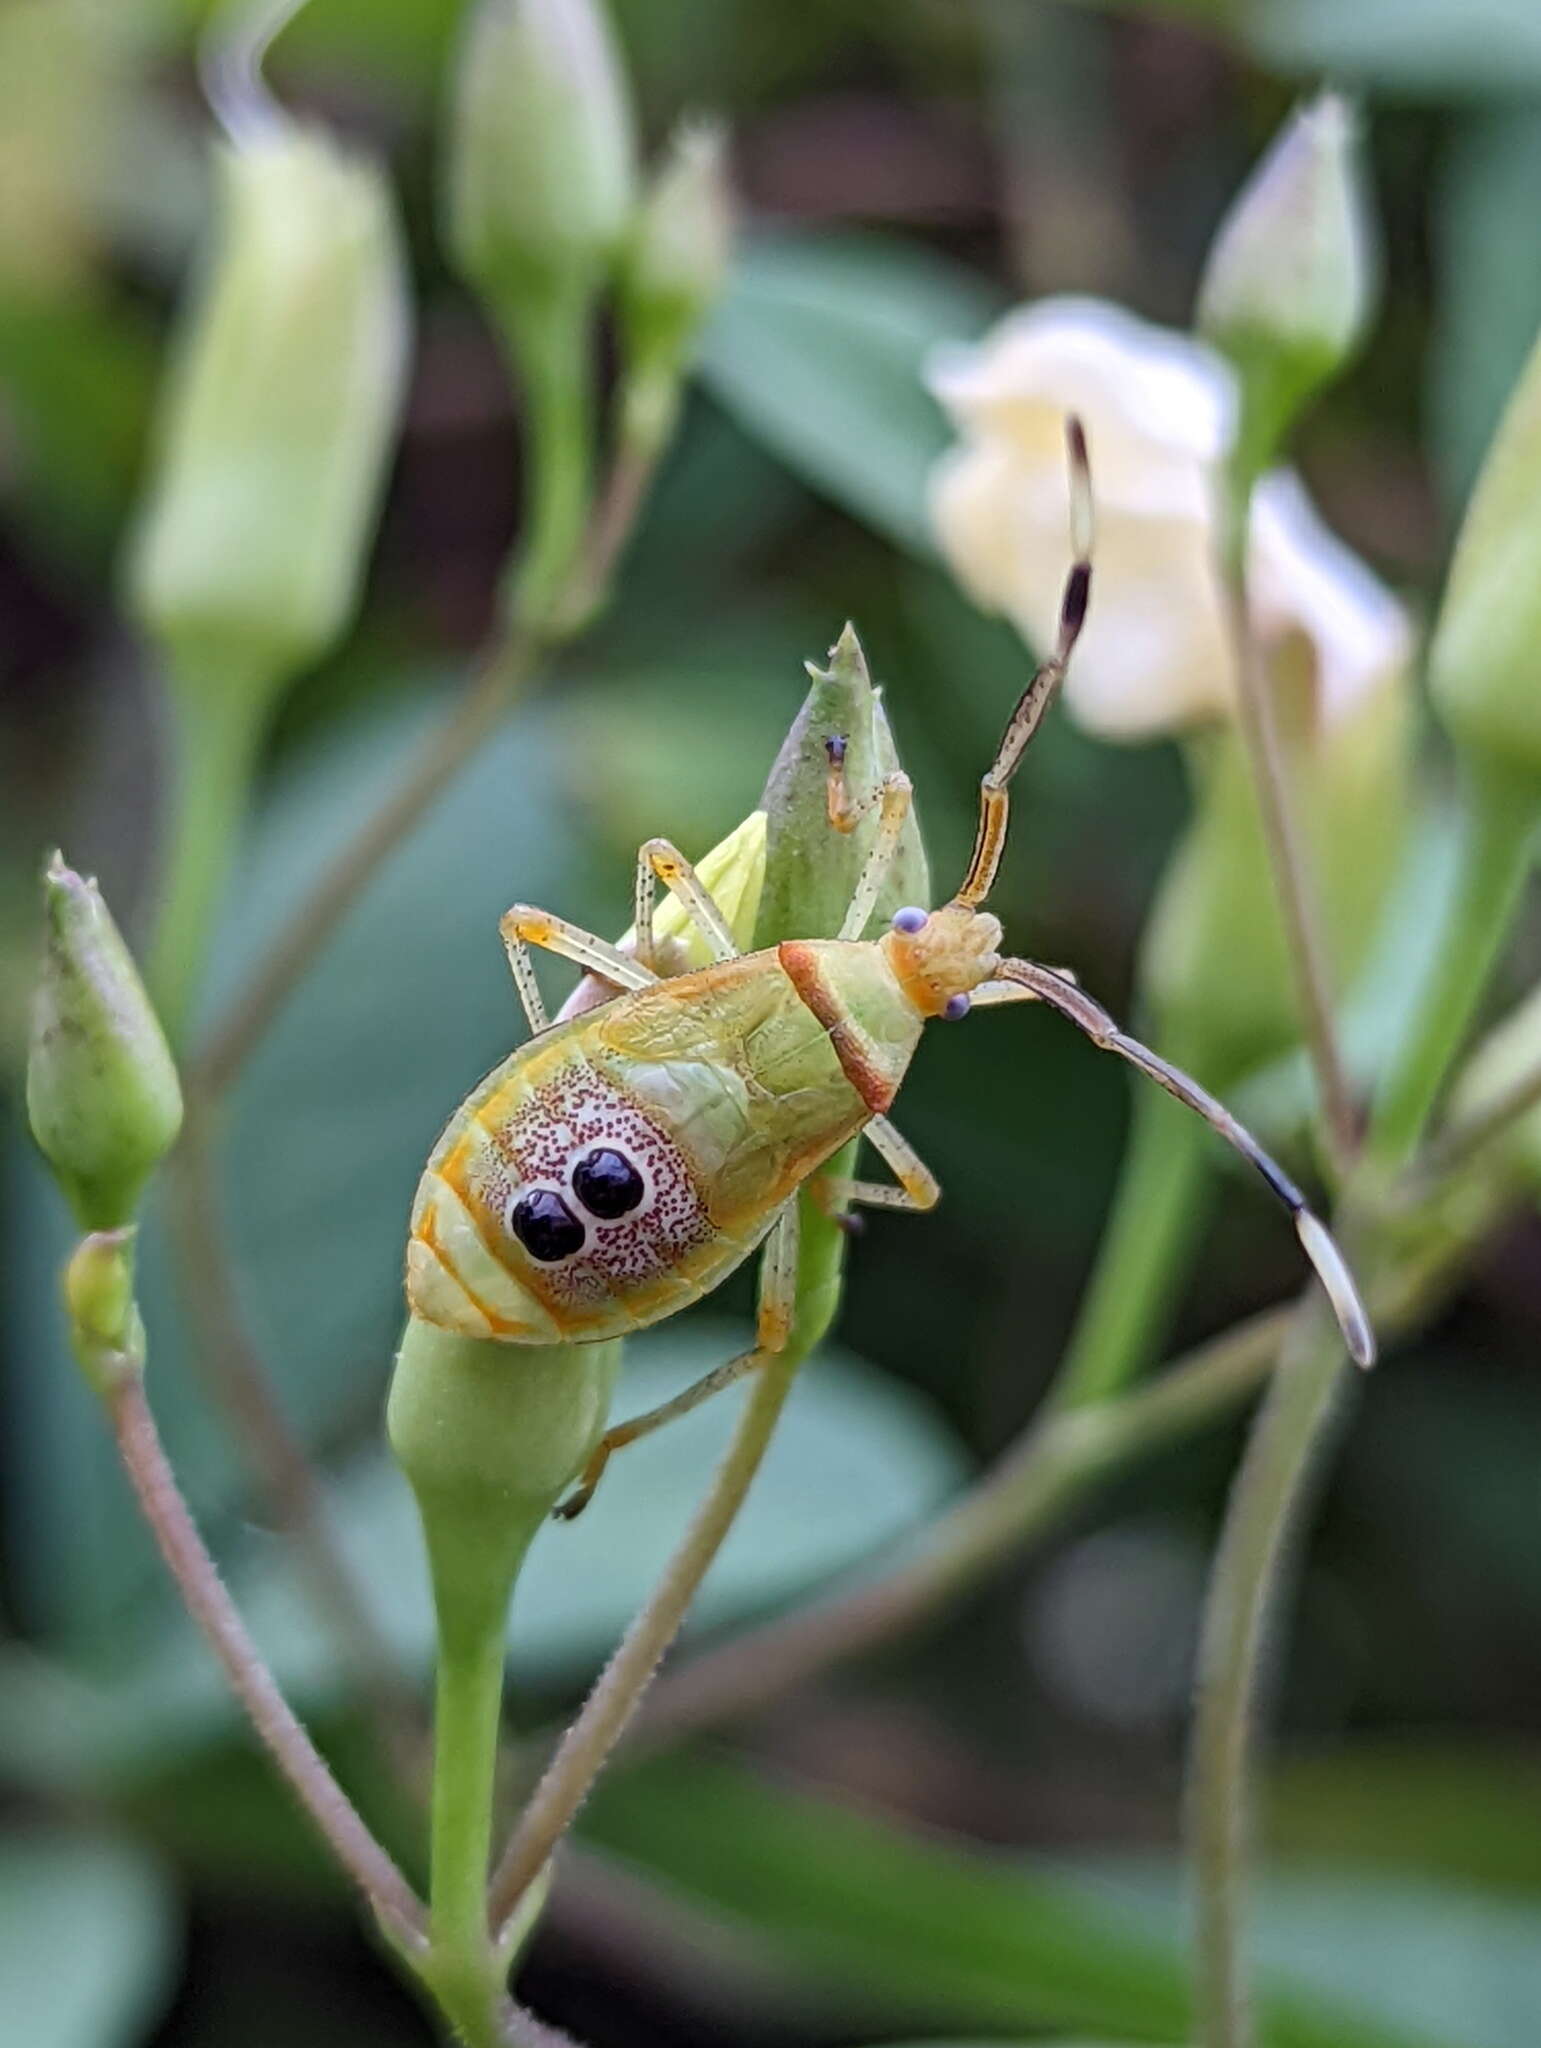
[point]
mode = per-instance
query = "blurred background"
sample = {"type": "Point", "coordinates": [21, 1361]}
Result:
{"type": "Point", "coordinates": [973, 1833]}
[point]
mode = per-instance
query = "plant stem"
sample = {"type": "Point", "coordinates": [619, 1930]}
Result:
{"type": "Point", "coordinates": [1158, 1212]}
{"type": "Point", "coordinates": [610, 1706]}
{"type": "Point", "coordinates": [239, 1384]}
{"type": "Point", "coordinates": [464, 1971]}
{"type": "Point", "coordinates": [1287, 854]}
{"type": "Point", "coordinates": [1266, 1503]}
{"type": "Point", "coordinates": [1045, 1472]}
{"type": "Point", "coordinates": [442, 755]}
{"type": "Point", "coordinates": [549, 348]}
{"type": "Point", "coordinates": [211, 1607]}
{"type": "Point", "coordinates": [216, 725]}
{"type": "Point", "coordinates": [1498, 816]}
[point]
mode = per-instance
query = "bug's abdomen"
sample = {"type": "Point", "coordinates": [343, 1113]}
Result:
{"type": "Point", "coordinates": [504, 1245]}
{"type": "Point", "coordinates": [621, 1166]}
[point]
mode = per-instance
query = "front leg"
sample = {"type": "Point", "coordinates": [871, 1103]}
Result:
{"type": "Point", "coordinates": [773, 1328]}
{"type": "Point", "coordinates": [524, 926]}
{"type": "Point", "coordinates": [660, 861]}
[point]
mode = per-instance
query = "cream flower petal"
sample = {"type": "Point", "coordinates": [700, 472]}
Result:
{"type": "Point", "coordinates": [1157, 407]}
{"type": "Point", "coordinates": [1159, 410]}
{"type": "Point", "coordinates": [1303, 578]}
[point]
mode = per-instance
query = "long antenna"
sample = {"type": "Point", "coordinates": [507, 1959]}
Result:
{"type": "Point", "coordinates": [990, 839]}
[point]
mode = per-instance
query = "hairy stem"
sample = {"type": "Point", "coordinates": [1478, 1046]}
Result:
{"type": "Point", "coordinates": [1287, 853]}
{"type": "Point", "coordinates": [240, 1386]}
{"type": "Point", "coordinates": [1049, 1468]}
{"type": "Point", "coordinates": [210, 1605]}
{"type": "Point", "coordinates": [1266, 1503]}
{"type": "Point", "coordinates": [582, 1753]}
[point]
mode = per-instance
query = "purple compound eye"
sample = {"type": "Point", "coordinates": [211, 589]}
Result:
{"type": "Point", "coordinates": [954, 1008]}
{"type": "Point", "coordinates": [910, 919]}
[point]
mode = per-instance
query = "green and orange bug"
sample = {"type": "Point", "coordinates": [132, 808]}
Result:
{"type": "Point", "coordinates": [623, 1162]}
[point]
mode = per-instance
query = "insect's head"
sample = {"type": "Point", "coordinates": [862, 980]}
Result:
{"type": "Point", "coordinates": [939, 956]}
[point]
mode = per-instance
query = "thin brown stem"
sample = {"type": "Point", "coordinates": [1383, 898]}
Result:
{"type": "Point", "coordinates": [210, 1605]}
{"type": "Point", "coordinates": [498, 680]}
{"type": "Point", "coordinates": [240, 1387]}
{"type": "Point", "coordinates": [618, 1693]}
{"type": "Point", "coordinates": [1287, 854]}
{"type": "Point", "coordinates": [1047, 1470]}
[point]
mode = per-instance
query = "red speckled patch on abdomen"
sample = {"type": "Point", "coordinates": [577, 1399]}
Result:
{"type": "Point", "coordinates": [531, 1134]}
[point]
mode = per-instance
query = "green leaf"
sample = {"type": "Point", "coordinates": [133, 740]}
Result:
{"type": "Point", "coordinates": [909, 1929]}
{"type": "Point", "coordinates": [1460, 1814]}
{"type": "Point", "coordinates": [88, 1938]}
{"type": "Point", "coordinates": [818, 350]}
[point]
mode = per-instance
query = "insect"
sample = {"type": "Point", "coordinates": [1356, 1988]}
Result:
{"type": "Point", "coordinates": [621, 1164]}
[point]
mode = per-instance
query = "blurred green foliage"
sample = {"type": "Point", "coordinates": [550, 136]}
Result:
{"type": "Point", "coordinates": [886, 211]}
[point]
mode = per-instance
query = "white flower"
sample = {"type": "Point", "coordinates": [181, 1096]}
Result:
{"type": "Point", "coordinates": [1159, 412]}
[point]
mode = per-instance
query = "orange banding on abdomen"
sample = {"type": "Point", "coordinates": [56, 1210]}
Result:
{"type": "Point", "coordinates": [872, 1079]}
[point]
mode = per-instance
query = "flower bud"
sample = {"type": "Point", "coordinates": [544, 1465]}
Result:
{"type": "Point", "coordinates": [675, 265]}
{"type": "Point", "coordinates": [279, 420]}
{"type": "Point", "coordinates": [1483, 661]}
{"type": "Point", "coordinates": [102, 1092]}
{"type": "Point", "coordinates": [541, 156]}
{"type": "Point", "coordinates": [1289, 285]}
{"type": "Point", "coordinates": [490, 1436]}
{"type": "Point", "coordinates": [811, 869]}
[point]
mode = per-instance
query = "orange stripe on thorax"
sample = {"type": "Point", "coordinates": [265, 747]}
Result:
{"type": "Point", "coordinates": [800, 963]}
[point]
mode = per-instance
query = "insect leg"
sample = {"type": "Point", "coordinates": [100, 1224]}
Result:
{"type": "Point", "coordinates": [1316, 1241]}
{"type": "Point", "coordinates": [773, 1326]}
{"type": "Point", "coordinates": [892, 796]}
{"type": "Point", "coordinates": [659, 861]}
{"type": "Point", "coordinates": [523, 926]}
{"type": "Point", "coordinates": [918, 1187]}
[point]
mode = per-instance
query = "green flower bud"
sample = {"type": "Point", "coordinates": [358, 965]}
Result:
{"type": "Point", "coordinates": [102, 1092]}
{"type": "Point", "coordinates": [490, 1437]}
{"type": "Point", "coordinates": [279, 419]}
{"type": "Point", "coordinates": [1290, 283]}
{"type": "Point", "coordinates": [1215, 965]}
{"type": "Point", "coordinates": [810, 868]}
{"type": "Point", "coordinates": [675, 266]}
{"type": "Point", "coordinates": [1485, 659]}
{"type": "Point", "coordinates": [541, 173]}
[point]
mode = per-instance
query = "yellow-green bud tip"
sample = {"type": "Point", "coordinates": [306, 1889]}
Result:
{"type": "Point", "coordinates": [102, 1092]}
{"type": "Point", "coordinates": [1290, 283]}
{"type": "Point", "coordinates": [681, 243]}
